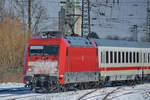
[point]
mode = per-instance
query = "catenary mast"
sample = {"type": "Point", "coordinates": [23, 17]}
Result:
{"type": "Point", "coordinates": [86, 29]}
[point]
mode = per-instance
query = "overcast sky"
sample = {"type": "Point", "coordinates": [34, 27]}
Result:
{"type": "Point", "coordinates": [126, 14]}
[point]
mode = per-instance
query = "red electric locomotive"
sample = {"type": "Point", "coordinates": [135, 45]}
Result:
{"type": "Point", "coordinates": [54, 61]}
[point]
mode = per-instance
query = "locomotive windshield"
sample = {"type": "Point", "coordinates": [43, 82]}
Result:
{"type": "Point", "coordinates": [44, 50]}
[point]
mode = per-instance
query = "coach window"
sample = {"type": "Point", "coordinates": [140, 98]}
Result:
{"type": "Point", "coordinates": [134, 57]}
{"type": "Point", "coordinates": [130, 56]}
{"type": "Point", "coordinates": [107, 57]}
{"type": "Point", "coordinates": [115, 57]}
{"type": "Point", "coordinates": [127, 57]}
{"type": "Point", "coordinates": [104, 57]}
{"type": "Point", "coordinates": [101, 57]}
{"type": "Point", "coordinates": [148, 57]}
{"type": "Point", "coordinates": [144, 56]}
{"type": "Point", "coordinates": [141, 57]}
{"type": "Point", "coordinates": [122, 57]}
{"type": "Point", "coordinates": [111, 57]}
{"type": "Point", "coordinates": [119, 57]}
{"type": "Point", "coordinates": [137, 57]}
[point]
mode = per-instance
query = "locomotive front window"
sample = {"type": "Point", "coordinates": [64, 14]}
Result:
{"type": "Point", "coordinates": [36, 50]}
{"type": "Point", "coordinates": [51, 50]}
{"type": "Point", "coordinates": [44, 50]}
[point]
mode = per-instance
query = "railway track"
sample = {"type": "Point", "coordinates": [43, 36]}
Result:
{"type": "Point", "coordinates": [14, 89]}
{"type": "Point", "coordinates": [9, 92]}
{"type": "Point", "coordinates": [108, 95]}
{"type": "Point", "coordinates": [113, 91]}
{"type": "Point", "coordinates": [127, 92]}
{"type": "Point", "coordinates": [83, 97]}
{"type": "Point", "coordinates": [22, 96]}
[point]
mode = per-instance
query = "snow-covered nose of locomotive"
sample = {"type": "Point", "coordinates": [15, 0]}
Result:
{"type": "Point", "coordinates": [43, 67]}
{"type": "Point", "coordinates": [43, 59]}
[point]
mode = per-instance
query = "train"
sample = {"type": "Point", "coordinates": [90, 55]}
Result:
{"type": "Point", "coordinates": [59, 62]}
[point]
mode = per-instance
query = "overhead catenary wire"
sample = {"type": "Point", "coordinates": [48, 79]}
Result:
{"type": "Point", "coordinates": [57, 2]}
{"type": "Point", "coordinates": [126, 3]}
{"type": "Point", "coordinates": [91, 0]}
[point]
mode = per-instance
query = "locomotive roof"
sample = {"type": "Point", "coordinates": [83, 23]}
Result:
{"type": "Point", "coordinates": [78, 41]}
{"type": "Point", "coordinates": [73, 41]}
{"type": "Point", "coordinates": [121, 43]}
{"type": "Point", "coordinates": [84, 42]}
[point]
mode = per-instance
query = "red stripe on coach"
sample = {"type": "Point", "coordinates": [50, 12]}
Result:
{"type": "Point", "coordinates": [123, 68]}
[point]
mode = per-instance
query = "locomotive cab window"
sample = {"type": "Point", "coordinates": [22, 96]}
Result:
{"type": "Point", "coordinates": [36, 50]}
{"type": "Point", "coordinates": [44, 50]}
{"type": "Point", "coordinates": [51, 50]}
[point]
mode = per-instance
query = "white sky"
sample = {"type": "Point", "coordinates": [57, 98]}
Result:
{"type": "Point", "coordinates": [127, 13]}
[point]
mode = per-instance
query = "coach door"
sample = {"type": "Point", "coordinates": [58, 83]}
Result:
{"type": "Point", "coordinates": [102, 61]}
{"type": "Point", "coordinates": [145, 61]}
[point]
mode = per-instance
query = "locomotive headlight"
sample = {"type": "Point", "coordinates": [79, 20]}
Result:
{"type": "Point", "coordinates": [30, 69]}
{"type": "Point", "coordinates": [29, 72]}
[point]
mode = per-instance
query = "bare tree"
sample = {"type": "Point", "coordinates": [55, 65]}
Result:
{"type": "Point", "coordinates": [2, 2]}
{"type": "Point", "coordinates": [39, 13]}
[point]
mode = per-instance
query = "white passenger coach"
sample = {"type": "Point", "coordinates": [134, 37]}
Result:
{"type": "Point", "coordinates": [123, 60]}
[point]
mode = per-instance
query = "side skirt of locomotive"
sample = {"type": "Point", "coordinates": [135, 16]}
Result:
{"type": "Point", "coordinates": [74, 81]}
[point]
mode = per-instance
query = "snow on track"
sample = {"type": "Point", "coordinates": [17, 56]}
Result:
{"type": "Point", "coordinates": [87, 94]}
{"type": "Point", "coordinates": [138, 92]}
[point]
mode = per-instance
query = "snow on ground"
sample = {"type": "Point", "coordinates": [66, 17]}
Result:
{"type": "Point", "coordinates": [138, 92]}
{"type": "Point", "coordinates": [11, 85]}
